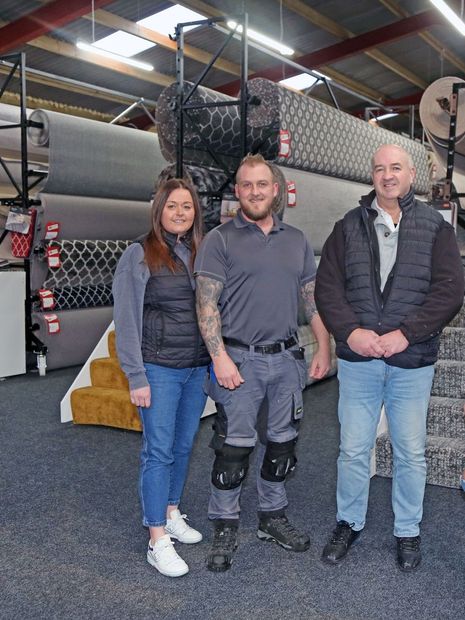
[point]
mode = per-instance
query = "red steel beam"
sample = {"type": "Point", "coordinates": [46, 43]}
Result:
{"type": "Point", "coordinates": [43, 20]}
{"type": "Point", "coordinates": [349, 47]}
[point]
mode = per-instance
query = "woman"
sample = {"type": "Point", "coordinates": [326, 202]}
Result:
{"type": "Point", "coordinates": [165, 360]}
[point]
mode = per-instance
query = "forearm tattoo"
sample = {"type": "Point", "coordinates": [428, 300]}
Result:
{"type": "Point", "coordinates": [308, 296]}
{"type": "Point", "coordinates": [208, 292]}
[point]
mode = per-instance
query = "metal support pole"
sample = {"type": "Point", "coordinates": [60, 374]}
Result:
{"type": "Point", "coordinates": [244, 89]}
{"type": "Point", "coordinates": [180, 99]}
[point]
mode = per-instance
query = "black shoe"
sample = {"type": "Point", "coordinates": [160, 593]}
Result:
{"type": "Point", "coordinates": [224, 544]}
{"type": "Point", "coordinates": [284, 533]}
{"type": "Point", "coordinates": [338, 545]}
{"type": "Point", "coordinates": [408, 553]}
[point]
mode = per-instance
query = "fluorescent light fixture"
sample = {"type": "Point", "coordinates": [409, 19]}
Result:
{"type": "Point", "coordinates": [123, 44]}
{"type": "Point", "coordinates": [450, 15]}
{"type": "Point", "coordinates": [302, 80]}
{"type": "Point", "coordinates": [383, 117]}
{"type": "Point", "coordinates": [165, 21]}
{"type": "Point", "coordinates": [128, 61]}
{"type": "Point", "coordinates": [261, 38]}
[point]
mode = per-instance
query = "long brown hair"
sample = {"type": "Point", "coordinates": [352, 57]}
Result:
{"type": "Point", "coordinates": [157, 252]}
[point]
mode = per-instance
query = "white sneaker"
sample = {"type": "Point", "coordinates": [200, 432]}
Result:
{"type": "Point", "coordinates": [163, 556]}
{"type": "Point", "coordinates": [177, 528]}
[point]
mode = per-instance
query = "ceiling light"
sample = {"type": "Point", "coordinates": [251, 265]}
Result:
{"type": "Point", "coordinates": [128, 61]}
{"type": "Point", "coordinates": [302, 80]}
{"type": "Point", "coordinates": [450, 15]}
{"type": "Point", "coordinates": [261, 38]}
{"type": "Point", "coordinates": [165, 21]}
{"type": "Point", "coordinates": [123, 44]}
{"type": "Point", "coordinates": [383, 117]}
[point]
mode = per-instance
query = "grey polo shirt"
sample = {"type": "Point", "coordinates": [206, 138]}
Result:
{"type": "Point", "coordinates": [262, 276]}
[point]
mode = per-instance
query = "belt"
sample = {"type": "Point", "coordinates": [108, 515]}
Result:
{"type": "Point", "coordinates": [275, 347]}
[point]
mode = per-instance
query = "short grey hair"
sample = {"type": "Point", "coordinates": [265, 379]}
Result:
{"type": "Point", "coordinates": [395, 146]}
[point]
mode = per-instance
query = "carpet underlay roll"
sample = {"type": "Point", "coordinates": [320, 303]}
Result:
{"type": "Point", "coordinates": [320, 202]}
{"type": "Point", "coordinates": [81, 217]}
{"type": "Point", "coordinates": [79, 332]}
{"type": "Point", "coordinates": [84, 263]}
{"type": "Point", "coordinates": [435, 119]}
{"type": "Point", "coordinates": [91, 158]}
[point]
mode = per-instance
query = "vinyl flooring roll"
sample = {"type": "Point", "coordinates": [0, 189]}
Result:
{"type": "Point", "coordinates": [91, 158]}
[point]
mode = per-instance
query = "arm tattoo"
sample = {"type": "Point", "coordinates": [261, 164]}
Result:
{"type": "Point", "coordinates": [308, 296]}
{"type": "Point", "coordinates": [208, 292]}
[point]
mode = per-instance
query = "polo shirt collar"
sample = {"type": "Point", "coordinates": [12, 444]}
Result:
{"type": "Point", "coordinates": [241, 222]}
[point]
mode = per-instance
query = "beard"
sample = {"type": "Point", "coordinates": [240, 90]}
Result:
{"type": "Point", "coordinates": [260, 213]}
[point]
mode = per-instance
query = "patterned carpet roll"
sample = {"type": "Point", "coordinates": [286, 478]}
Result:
{"type": "Point", "coordinates": [313, 136]}
{"type": "Point", "coordinates": [216, 128]}
{"type": "Point", "coordinates": [204, 179]}
{"type": "Point", "coordinates": [288, 128]}
{"type": "Point", "coordinates": [84, 263]}
{"type": "Point", "coordinates": [68, 298]}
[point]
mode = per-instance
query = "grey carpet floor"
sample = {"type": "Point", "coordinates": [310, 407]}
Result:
{"type": "Point", "coordinates": [72, 545]}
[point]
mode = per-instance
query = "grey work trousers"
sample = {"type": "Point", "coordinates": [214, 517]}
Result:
{"type": "Point", "coordinates": [275, 380]}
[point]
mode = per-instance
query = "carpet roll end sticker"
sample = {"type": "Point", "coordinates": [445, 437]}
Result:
{"type": "Point", "coordinates": [47, 300]}
{"type": "Point", "coordinates": [53, 323]}
{"type": "Point", "coordinates": [291, 194]}
{"type": "Point", "coordinates": [284, 143]}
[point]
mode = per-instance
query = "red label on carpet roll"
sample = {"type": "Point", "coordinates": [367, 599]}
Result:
{"type": "Point", "coordinates": [284, 143]}
{"type": "Point", "coordinates": [51, 230]}
{"type": "Point", "coordinates": [53, 257]}
{"type": "Point", "coordinates": [47, 300]}
{"type": "Point", "coordinates": [291, 194]}
{"type": "Point", "coordinates": [53, 324]}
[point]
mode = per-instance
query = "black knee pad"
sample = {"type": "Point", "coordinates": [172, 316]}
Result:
{"type": "Point", "coordinates": [230, 466]}
{"type": "Point", "coordinates": [279, 460]}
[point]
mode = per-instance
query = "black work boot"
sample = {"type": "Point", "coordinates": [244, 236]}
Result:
{"type": "Point", "coordinates": [224, 544]}
{"type": "Point", "coordinates": [408, 553]}
{"type": "Point", "coordinates": [338, 545]}
{"type": "Point", "coordinates": [279, 529]}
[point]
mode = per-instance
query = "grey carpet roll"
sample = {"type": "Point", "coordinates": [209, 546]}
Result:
{"type": "Point", "coordinates": [84, 263]}
{"type": "Point", "coordinates": [81, 217]}
{"type": "Point", "coordinates": [79, 333]}
{"type": "Point", "coordinates": [90, 158]}
{"type": "Point", "coordinates": [322, 139]}
{"type": "Point", "coordinates": [320, 202]}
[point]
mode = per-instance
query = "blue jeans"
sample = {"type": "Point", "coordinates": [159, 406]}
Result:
{"type": "Point", "coordinates": [363, 388]}
{"type": "Point", "coordinates": [169, 428]}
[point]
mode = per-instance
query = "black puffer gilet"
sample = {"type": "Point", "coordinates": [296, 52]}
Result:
{"type": "Point", "coordinates": [170, 334]}
{"type": "Point", "coordinates": [407, 284]}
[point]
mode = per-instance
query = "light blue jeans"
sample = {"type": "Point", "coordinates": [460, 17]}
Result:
{"type": "Point", "coordinates": [169, 428]}
{"type": "Point", "coordinates": [363, 388]}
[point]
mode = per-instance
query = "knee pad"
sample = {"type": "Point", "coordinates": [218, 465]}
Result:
{"type": "Point", "coordinates": [230, 466]}
{"type": "Point", "coordinates": [279, 460]}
